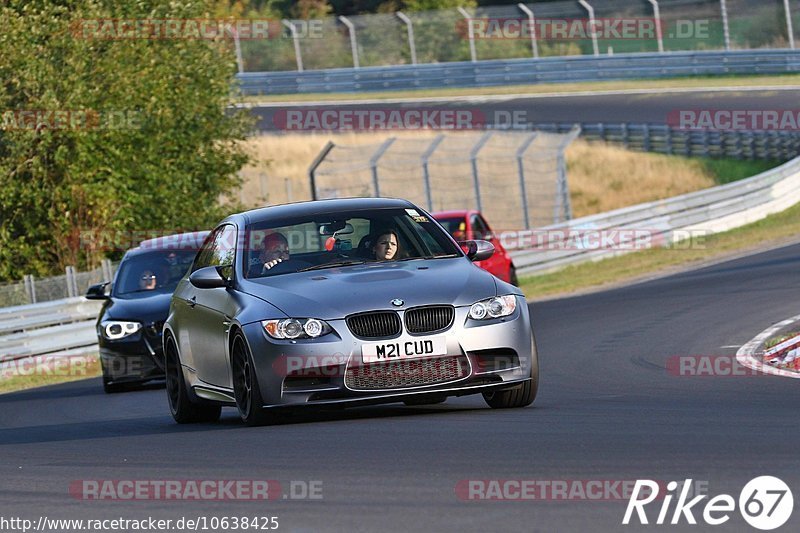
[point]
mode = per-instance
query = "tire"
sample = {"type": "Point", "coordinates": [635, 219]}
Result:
{"type": "Point", "coordinates": [183, 410]}
{"type": "Point", "coordinates": [512, 276]}
{"type": "Point", "coordinates": [431, 400]}
{"type": "Point", "coordinates": [246, 390]}
{"type": "Point", "coordinates": [520, 395]}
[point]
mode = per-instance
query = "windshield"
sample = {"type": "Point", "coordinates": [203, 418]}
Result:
{"type": "Point", "coordinates": [455, 226]}
{"type": "Point", "coordinates": [341, 239]}
{"type": "Point", "coordinates": [155, 272]}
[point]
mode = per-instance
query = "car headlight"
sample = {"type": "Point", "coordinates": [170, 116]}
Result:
{"type": "Point", "coordinates": [116, 329]}
{"type": "Point", "coordinates": [496, 307]}
{"type": "Point", "coordinates": [296, 328]}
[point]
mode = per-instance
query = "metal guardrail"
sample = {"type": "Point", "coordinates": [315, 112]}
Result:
{"type": "Point", "coordinates": [491, 73]}
{"type": "Point", "coordinates": [708, 211]}
{"type": "Point", "coordinates": [779, 145]}
{"type": "Point", "coordinates": [60, 327]}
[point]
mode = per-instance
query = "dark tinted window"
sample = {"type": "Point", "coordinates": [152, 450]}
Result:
{"type": "Point", "coordinates": [154, 272]}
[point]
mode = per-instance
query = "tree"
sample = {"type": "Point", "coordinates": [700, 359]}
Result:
{"type": "Point", "coordinates": [111, 134]}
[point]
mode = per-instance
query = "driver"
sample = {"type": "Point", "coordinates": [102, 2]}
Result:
{"type": "Point", "coordinates": [386, 246]}
{"type": "Point", "coordinates": [275, 249]}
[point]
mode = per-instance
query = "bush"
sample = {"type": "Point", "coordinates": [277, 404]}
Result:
{"type": "Point", "coordinates": [155, 146]}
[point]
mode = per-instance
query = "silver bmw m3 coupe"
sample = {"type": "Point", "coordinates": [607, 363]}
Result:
{"type": "Point", "coordinates": [342, 302]}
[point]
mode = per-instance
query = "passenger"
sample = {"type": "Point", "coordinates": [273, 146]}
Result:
{"type": "Point", "coordinates": [275, 250]}
{"type": "Point", "coordinates": [147, 281]}
{"type": "Point", "coordinates": [386, 247]}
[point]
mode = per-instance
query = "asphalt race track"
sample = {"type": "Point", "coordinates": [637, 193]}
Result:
{"type": "Point", "coordinates": [607, 410]}
{"type": "Point", "coordinates": [652, 108]}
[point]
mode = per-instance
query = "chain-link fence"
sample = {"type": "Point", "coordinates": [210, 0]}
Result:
{"type": "Point", "coordinates": [546, 29]}
{"type": "Point", "coordinates": [517, 179]}
{"type": "Point", "coordinates": [32, 290]}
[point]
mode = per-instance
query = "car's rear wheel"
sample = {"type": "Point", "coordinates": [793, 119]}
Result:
{"type": "Point", "coordinates": [183, 410]}
{"type": "Point", "coordinates": [519, 395]}
{"type": "Point", "coordinates": [246, 390]}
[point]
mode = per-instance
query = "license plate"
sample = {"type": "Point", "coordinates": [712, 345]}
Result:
{"type": "Point", "coordinates": [403, 349]}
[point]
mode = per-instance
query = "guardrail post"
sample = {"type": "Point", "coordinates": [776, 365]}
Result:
{"type": "Point", "coordinates": [296, 40]}
{"type": "Point", "coordinates": [373, 164]}
{"type": "Point", "coordinates": [668, 137]}
{"type": "Point", "coordinates": [646, 137]}
{"type": "Point", "coordinates": [532, 21]}
{"type": "Point", "coordinates": [470, 32]}
{"type": "Point", "coordinates": [410, 30]}
{"type": "Point", "coordinates": [626, 136]}
{"type": "Point", "coordinates": [473, 156]}
{"type": "Point", "coordinates": [426, 177]}
{"type": "Point", "coordinates": [312, 170]}
{"type": "Point", "coordinates": [592, 26]}
{"type": "Point", "coordinates": [723, 6]}
{"type": "Point", "coordinates": [789, 27]}
{"type": "Point", "coordinates": [353, 42]}
{"type": "Point", "coordinates": [521, 170]}
{"type": "Point", "coordinates": [657, 17]}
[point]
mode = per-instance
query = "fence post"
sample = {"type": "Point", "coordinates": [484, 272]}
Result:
{"type": "Point", "coordinates": [521, 170]}
{"type": "Point", "coordinates": [473, 156]}
{"type": "Point", "coordinates": [71, 283]}
{"type": "Point", "coordinates": [28, 281]}
{"type": "Point", "coordinates": [723, 6]}
{"type": "Point", "coordinates": [373, 164]}
{"type": "Point", "coordinates": [237, 45]}
{"type": "Point", "coordinates": [426, 177]}
{"type": "Point", "coordinates": [353, 42]}
{"type": "Point", "coordinates": [105, 264]}
{"type": "Point", "coordinates": [296, 39]}
{"type": "Point", "coordinates": [563, 200]}
{"type": "Point", "coordinates": [410, 31]}
{"type": "Point", "coordinates": [532, 21]}
{"type": "Point", "coordinates": [470, 32]}
{"type": "Point", "coordinates": [316, 163]}
{"type": "Point", "coordinates": [592, 26]}
{"type": "Point", "coordinates": [789, 26]}
{"type": "Point", "coordinates": [657, 17]}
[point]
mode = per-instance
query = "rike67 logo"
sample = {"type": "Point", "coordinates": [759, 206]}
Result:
{"type": "Point", "coordinates": [765, 503]}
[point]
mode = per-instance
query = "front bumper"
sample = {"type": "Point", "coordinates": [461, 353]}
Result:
{"type": "Point", "coordinates": [491, 355]}
{"type": "Point", "coordinates": [137, 358]}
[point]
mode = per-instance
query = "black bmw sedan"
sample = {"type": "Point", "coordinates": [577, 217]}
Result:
{"type": "Point", "coordinates": [136, 306]}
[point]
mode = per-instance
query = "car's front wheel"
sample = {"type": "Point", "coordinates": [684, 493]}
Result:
{"type": "Point", "coordinates": [245, 384]}
{"type": "Point", "coordinates": [519, 395]}
{"type": "Point", "coordinates": [184, 411]}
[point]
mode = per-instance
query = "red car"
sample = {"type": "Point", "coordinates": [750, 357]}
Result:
{"type": "Point", "coordinates": [466, 225]}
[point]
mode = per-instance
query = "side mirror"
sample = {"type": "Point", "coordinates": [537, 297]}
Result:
{"type": "Point", "coordinates": [477, 250]}
{"type": "Point", "coordinates": [97, 292]}
{"type": "Point", "coordinates": [207, 278]}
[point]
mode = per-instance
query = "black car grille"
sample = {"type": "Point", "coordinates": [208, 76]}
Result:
{"type": "Point", "coordinates": [403, 374]}
{"type": "Point", "coordinates": [374, 325]}
{"type": "Point", "coordinates": [429, 319]}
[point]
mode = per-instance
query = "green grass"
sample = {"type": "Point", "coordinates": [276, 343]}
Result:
{"type": "Point", "coordinates": [708, 82]}
{"type": "Point", "coordinates": [779, 339]}
{"type": "Point", "coordinates": [729, 170]}
{"type": "Point", "coordinates": [773, 230]}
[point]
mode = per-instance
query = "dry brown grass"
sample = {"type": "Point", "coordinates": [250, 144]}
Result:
{"type": "Point", "coordinates": [601, 176]}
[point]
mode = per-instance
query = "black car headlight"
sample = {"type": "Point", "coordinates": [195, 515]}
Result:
{"type": "Point", "coordinates": [496, 307]}
{"type": "Point", "coordinates": [117, 329]}
{"type": "Point", "coordinates": [296, 328]}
